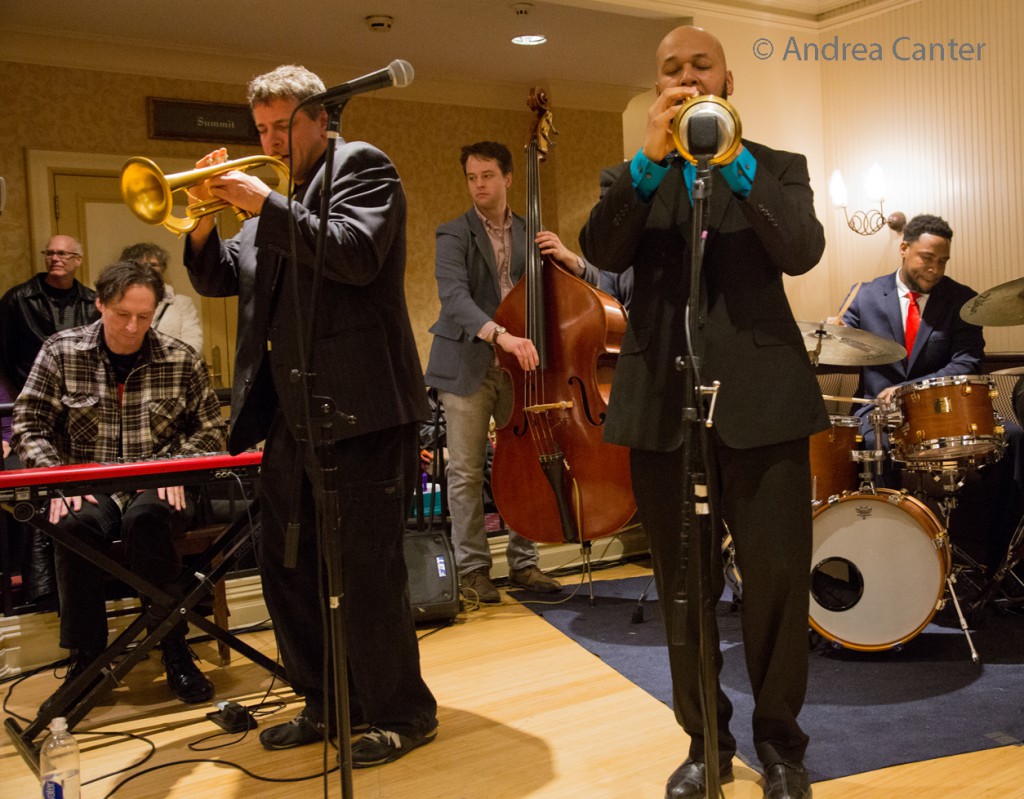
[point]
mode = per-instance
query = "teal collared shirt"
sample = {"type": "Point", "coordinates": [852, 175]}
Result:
{"type": "Point", "coordinates": [647, 174]}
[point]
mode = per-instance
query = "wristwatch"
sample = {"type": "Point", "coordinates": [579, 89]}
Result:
{"type": "Point", "coordinates": [498, 330]}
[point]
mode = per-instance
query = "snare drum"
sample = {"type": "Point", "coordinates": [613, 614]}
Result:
{"type": "Point", "coordinates": [833, 469]}
{"type": "Point", "coordinates": [879, 568]}
{"type": "Point", "coordinates": [947, 419]}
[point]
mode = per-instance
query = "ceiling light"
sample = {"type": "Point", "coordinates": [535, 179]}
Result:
{"type": "Point", "coordinates": [522, 11]}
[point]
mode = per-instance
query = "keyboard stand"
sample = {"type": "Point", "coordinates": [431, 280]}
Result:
{"type": "Point", "coordinates": [75, 698]}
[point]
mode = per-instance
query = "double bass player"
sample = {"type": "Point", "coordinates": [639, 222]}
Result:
{"type": "Point", "coordinates": [479, 257]}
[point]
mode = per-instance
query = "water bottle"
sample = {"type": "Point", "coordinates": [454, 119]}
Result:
{"type": "Point", "coordinates": [58, 763]}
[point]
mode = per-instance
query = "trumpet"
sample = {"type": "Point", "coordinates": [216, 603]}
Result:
{"type": "Point", "coordinates": [726, 120]}
{"type": "Point", "coordinates": [149, 194]}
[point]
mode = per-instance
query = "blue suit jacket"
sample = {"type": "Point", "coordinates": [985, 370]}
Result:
{"type": "Point", "coordinates": [945, 344]}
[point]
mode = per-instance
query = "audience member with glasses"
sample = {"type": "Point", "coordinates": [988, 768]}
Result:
{"type": "Point", "coordinates": [33, 311]}
{"type": "Point", "coordinates": [30, 313]}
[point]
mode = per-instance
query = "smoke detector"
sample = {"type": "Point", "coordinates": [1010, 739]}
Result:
{"type": "Point", "coordinates": [379, 23]}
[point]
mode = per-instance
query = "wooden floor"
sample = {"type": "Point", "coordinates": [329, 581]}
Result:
{"type": "Point", "coordinates": [524, 712]}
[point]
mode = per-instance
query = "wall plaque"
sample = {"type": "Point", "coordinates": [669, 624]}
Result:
{"type": "Point", "coordinates": [195, 120]}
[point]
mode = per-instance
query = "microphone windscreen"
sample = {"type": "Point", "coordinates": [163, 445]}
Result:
{"type": "Point", "coordinates": [702, 132]}
{"type": "Point", "coordinates": [401, 71]}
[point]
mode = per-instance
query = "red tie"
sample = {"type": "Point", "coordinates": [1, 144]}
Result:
{"type": "Point", "coordinates": [913, 321]}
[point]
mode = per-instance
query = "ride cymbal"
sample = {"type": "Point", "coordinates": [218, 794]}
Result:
{"type": "Point", "coordinates": [998, 307]}
{"type": "Point", "coordinates": [838, 345]}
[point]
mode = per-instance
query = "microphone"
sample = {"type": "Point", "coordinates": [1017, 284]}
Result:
{"type": "Point", "coordinates": [707, 127]}
{"type": "Point", "coordinates": [702, 134]}
{"type": "Point", "coordinates": [398, 73]}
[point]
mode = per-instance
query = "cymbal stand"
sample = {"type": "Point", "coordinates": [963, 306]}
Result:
{"type": "Point", "coordinates": [952, 480]}
{"type": "Point", "coordinates": [1014, 555]}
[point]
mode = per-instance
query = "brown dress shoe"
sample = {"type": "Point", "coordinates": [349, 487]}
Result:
{"type": "Point", "coordinates": [476, 586]}
{"type": "Point", "coordinates": [533, 579]}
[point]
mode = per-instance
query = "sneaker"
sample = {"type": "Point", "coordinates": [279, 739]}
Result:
{"type": "Point", "coordinates": [533, 579]}
{"type": "Point", "coordinates": [379, 746]}
{"type": "Point", "coordinates": [305, 728]}
{"type": "Point", "coordinates": [476, 586]}
{"type": "Point", "coordinates": [184, 678]}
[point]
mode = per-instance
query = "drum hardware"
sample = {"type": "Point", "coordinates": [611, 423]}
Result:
{"type": "Point", "coordinates": [1004, 573]}
{"type": "Point", "coordinates": [839, 345]}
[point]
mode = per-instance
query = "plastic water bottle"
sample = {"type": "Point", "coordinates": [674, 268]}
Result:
{"type": "Point", "coordinates": [58, 763]}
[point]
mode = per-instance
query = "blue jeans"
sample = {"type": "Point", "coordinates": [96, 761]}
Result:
{"type": "Point", "coordinates": [467, 418]}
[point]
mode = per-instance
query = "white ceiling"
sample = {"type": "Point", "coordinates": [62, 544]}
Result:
{"type": "Point", "coordinates": [599, 48]}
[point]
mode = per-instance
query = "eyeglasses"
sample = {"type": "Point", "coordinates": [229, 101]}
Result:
{"type": "Point", "coordinates": [62, 254]}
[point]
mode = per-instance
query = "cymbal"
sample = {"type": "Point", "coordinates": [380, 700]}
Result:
{"type": "Point", "coordinates": [997, 307]}
{"type": "Point", "coordinates": [838, 345]}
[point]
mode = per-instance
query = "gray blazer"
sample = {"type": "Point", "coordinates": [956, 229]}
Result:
{"type": "Point", "coordinates": [467, 284]}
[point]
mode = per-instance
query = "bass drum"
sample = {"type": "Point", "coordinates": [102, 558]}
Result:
{"type": "Point", "coordinates": [879, 568]}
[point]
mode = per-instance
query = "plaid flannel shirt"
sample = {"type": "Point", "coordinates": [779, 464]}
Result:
{"type": "Point", "coordinates": [69, 411]}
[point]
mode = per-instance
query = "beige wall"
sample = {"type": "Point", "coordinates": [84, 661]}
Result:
{"type": "Point", "coordinates": [944, 132]}
{"type": "Point", "coordinates": [947, 135]}
{"type": "Point", "coordinates": [54, 108]}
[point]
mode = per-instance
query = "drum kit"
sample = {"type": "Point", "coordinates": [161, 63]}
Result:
{"type": "Point", "coordinates": [882, 561]}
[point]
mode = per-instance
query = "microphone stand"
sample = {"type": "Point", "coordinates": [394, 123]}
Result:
{"type": "Point", "coordinates": [324, 412]}
{"type": "Point", "coordinates": [696, 499]}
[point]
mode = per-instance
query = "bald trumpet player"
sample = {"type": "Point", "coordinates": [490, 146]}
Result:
{"type": "Point", "coordinates": [364, 358]}
{"type": "Point", "coordinates": [761, 225]}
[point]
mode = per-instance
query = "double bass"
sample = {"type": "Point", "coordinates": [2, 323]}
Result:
{"type": "Point", "coordinates": [553, 478]}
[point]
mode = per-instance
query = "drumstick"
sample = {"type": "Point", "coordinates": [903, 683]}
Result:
{"type": "Point", "coordinates": [849, 299]}
{"type": "Point", "coordinates": [848, 399]}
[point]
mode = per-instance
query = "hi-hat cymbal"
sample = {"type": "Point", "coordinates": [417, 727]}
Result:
{"type": "Point", "coordinates": [997, 307]}
{"type": "Point", "coordinates": [838, 345]}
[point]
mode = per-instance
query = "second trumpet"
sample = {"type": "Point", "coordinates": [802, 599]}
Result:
{"type": "Point", "coordinates": [149, 194]}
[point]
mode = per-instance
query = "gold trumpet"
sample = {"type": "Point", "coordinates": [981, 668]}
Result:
{"type": "Point", "coordinates": [150, 194]}
{"type": "Point", "coordinates": [725, 117]}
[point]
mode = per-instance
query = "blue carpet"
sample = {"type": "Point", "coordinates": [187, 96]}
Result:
{"type": "Point", "coordinates": [864, 711]}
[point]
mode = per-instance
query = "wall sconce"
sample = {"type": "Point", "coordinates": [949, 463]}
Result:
{"type": "Point", "coordinates": [866, 223]}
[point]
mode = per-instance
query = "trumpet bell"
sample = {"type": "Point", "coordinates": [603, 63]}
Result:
{"type": "Point", "coordinates": [725, 118]}
{"type": "Point", "coordinates": [145, 190]}
{"type": "Point", "coordinates": [149, 194]}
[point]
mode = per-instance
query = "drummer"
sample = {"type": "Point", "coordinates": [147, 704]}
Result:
{"type": "Point", "coordinates": [919, 306]}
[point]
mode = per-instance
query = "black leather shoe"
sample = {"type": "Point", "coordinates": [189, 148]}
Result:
{"type": "Point", "coordinates": [786, 781]}
{"type": "Point", "coordinates": [687, 781]}
{"type": "Point", "coordinates": [187, 682]}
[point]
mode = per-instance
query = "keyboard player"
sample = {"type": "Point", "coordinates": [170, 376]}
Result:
{"type": "Point", "coordinates": [117, 389]}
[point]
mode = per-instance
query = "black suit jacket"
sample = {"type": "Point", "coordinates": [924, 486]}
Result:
{"type": "Point", "coordinates": [364, 353]}
{"type": "Point", "coordinates": [752, 344]}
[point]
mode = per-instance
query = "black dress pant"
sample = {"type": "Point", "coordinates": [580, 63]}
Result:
{"type": "Point", "coordinates": [764, 497]}
{"type": "Point", "coordinates": [375, 476]}
{"type": "Point", "coordinates": [147, 527]}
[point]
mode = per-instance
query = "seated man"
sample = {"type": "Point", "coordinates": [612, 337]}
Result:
{"type": "Point", "coordinates": [116, 389]}
{"type": "Point", "coordinates": [919, 306]}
